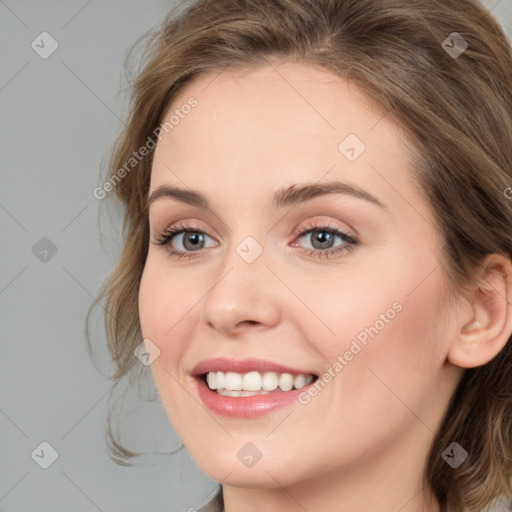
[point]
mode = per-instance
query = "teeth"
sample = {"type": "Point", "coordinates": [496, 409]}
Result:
{"type": "Point", "coordinates": [233, 381]}
{"type": "Point", "coordinates": [300, 381]}
{"type": "Point", "coordinates": [226, 392]}
{"type": "Point", "coordinates": [286, 381]}
{"type": "Point", "coordinates": [211, 380]}
{"type": "Point", "coordinates": [255, 383]}
{"type": "Point", "coordinates": [251, 381]}
{"type": "Point", "coordinates": [269, 381]}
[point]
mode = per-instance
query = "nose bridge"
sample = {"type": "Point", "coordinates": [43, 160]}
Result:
{"type": "Point", "coordinates": [241, 291]}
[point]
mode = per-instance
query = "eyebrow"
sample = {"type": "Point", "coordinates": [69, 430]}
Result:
{"type": "Point", "coordinates": [288, 196]}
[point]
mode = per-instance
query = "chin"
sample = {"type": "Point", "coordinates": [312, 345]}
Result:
{"type": "Point", "coordinates": [267, 472]}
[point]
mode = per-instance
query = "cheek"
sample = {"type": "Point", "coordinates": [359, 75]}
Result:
{"type": "Point", "coordinates": [164, 305]}
{"type": "Point", "coordinates": [398, 355]}
{"type": "Point", "coordinates": [385, 324]}
{"type": "Point", "coordinates": [160, 308]}
{"type": "Point", "coordinates": [357, 307]}
{"type": "Point", "coordinates": [165, 312]}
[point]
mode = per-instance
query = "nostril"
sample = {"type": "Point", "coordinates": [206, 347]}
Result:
{"type": "Point", "coordinates": [247, 322]}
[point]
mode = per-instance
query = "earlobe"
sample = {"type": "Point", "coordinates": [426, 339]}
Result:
{"type": "Point", "coordinates": [488, 322]}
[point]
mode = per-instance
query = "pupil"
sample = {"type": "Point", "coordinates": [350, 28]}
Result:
{"type": "Point", "coordinates": [194, 237]}
{"type": "Point", "coordinates": [325, 238]}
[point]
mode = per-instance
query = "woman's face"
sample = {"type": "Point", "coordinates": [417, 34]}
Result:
{"type": "Point", "coordinates": [344, 286]}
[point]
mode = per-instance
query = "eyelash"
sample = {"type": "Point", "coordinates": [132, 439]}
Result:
{"type": "Point", "coordinates": [166, 238]}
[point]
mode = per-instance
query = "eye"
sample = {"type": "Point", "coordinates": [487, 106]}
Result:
{"type": "Point", "coordinates": [323, 239]}
{"type": "Point", "coordinates": [191, 238]}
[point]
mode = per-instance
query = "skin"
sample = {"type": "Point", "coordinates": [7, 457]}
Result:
{"type": "Point", "coordinates": [362, 442]}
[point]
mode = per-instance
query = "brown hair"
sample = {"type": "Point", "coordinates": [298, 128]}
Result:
{"type": "Point", "coordinates": [458, 111]}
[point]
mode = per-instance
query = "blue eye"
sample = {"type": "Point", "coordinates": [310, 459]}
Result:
{"type": "Point", "coordinates": [193, 240]}
{"type": "Point", "coordinates": [324, 239]}
{"type": "Point", "coordinates": [190, 243]}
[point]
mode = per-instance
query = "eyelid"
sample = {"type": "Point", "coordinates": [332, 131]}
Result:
{"type": "Point", "coordinates": [177, 229]}
{"type": "Point", "coordinates": [318, 224]}
{"type": "Point", "coordinates": [191, 224]}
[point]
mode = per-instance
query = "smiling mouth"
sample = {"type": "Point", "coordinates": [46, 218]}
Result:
{"type": "Point", "coordinates": [253, 383]}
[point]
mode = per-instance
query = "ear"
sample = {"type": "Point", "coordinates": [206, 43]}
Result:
{"type": "Point", "coordinates": [487, 317]}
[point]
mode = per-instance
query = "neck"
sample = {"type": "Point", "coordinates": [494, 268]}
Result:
{"type": "Point", "coordinates": [330, 496]}
{"type": "Point", "coordinates": [387, 481]}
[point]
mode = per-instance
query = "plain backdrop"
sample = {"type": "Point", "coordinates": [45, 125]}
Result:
{"type": "Point", "coordinates": [60, 114]}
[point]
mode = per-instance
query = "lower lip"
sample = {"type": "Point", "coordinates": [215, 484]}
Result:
{"type": "Point", "coordinates": [246, 406]}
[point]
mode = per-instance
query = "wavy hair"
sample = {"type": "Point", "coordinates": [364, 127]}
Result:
{"type": "Point", "coordinates": [457, 110]}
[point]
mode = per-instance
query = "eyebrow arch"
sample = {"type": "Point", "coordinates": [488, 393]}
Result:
{"type": "Point", "coordinates": [300, 193]}
{"type": "Point", "coordinates": [288, 196]}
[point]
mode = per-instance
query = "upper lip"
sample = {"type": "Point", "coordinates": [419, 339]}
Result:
{"type": "Point", "coordinates": [224, 364]}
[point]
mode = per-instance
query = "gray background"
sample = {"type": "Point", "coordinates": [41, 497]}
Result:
{"type": "Point", "coordinates": [59, 117]}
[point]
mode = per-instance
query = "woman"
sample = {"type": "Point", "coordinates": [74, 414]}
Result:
{"type": "Point", "coordinates": [318, 250]}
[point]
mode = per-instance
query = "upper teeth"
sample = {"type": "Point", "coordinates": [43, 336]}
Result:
{"type": "Point", "coordinates": [255, 381]}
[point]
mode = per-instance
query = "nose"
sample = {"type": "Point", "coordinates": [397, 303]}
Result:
{"type": "Point", "coordinates": [242, 295]}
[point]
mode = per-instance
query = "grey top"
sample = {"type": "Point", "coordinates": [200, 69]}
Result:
{"type": "Point", "coordinates": [216, 504]}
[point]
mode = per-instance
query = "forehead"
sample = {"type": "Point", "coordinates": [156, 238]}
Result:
{"type": "Point", "coordinates": [286, 123]}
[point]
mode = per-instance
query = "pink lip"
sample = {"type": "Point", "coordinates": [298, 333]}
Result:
{"type": "Point", "coordinates": [224, 364]}
{"type": "Point", "coordinates": [246, 406]}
